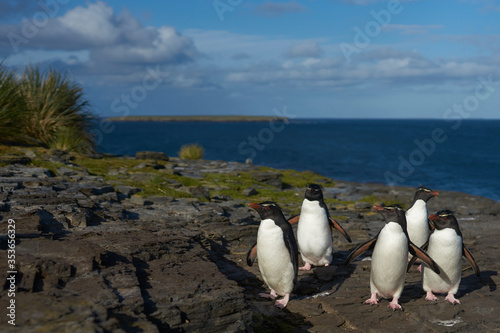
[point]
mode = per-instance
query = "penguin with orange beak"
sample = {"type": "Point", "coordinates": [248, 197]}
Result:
{"type": "Point", "coordinates": [277, 252]}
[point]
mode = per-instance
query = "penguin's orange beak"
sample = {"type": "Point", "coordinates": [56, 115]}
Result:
{"type": "Point", "coordinates": [378, 207]}
{"type": "Point", "coordinates": [434, 193]}
{"type": "Point", "coordinates": [254, 205]}
{"type": "Point", "coordinates": [433, 217]}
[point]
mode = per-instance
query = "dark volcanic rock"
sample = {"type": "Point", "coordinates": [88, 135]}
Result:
{"type": "Point", "coordinates": [271, 178]}
{"type": "Point", "coordinates": [14, 159]}
{"type": "Point", "coordinates": [199, 192]}
{"type": "Point", "coordinates": [249, 191]}
{"type": "Point", "coordinates": [127, 190]}
{"type": "Point", "coordinates": [89, 260]}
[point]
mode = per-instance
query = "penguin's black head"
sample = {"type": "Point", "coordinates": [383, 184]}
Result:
{"type": "Point", "coordinates": [392, 213]}
{"type": "Point", "coordinates": [444, 219]}
{"type": "Point", "coordinates": [314, 192]}
{"type": "Point", "coordinates": [267, 209]}
{"type": "Point", "coordinates": [425, 193]}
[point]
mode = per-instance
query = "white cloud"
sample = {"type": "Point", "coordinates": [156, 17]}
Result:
{"type": "Point", "coordinates": [109, 37]}
{"type": "Point", "coordinates": [397, 69]}
{"type": "Point", "coordinates": [93, 23]}
{"type": "Point", "coordinates": [307, 49]}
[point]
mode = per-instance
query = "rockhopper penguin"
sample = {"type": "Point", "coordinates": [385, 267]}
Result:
{"type": "Point", "coordinates": [447, 248]}
{"type": "Point", "coordinates": [390, 256]}
{"type": "Point", "coordinates": [277, 252]}
{"type": "Point", "coordinates": [314, 231]}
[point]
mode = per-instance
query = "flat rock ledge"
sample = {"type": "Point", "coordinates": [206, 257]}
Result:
{"type": "Point", "coordinates": [94, 257]}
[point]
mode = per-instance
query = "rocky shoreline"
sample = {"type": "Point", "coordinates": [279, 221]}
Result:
{"type": "Point", "coordinates": [95, 254]}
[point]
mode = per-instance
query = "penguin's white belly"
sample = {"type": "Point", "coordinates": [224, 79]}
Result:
{"type": "Point", "coordinates": [445, 247]}
{"type": "Point", "coordinates": [417, 225]}
{"type": "Point", "coordinates": [389, 259]}
{"type": "Point", "coordinates": [275, 263]}
{"type": "Point", "coordinates": [314, 236]}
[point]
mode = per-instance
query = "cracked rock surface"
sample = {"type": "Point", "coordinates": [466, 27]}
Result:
{"type": "Point", "coordinates": [93, 256]}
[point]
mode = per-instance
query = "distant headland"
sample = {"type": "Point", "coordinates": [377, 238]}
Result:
{"type": "Point", "coordinates": [230, 118]}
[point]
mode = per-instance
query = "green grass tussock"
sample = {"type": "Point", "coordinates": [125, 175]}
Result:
{"type": "Point", "coordinates": [191, 152]}
{"type": "Point", "coordinates": [11, 108]}
{"type": "Point", "coordinates": [44, 108]}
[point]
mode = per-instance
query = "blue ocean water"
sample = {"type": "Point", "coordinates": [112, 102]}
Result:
{"type": "Point", "coordinates": [459, 155]}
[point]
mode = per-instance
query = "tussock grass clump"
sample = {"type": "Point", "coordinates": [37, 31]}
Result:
{"type": "Point", "coordinates": [191, 152]}
{"type": "Point", "coordinates": [58, 114]}
{"type": "Point", "coordinates": [44, 108]}
{"type": "Point", "coordinates": [11, 108]}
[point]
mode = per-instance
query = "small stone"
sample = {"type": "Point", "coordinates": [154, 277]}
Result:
{"type": "Point", "coordinates": [221, 197]}
{"type": "Point", "coordinates": [127, 190]}
{"type": "Point", "coordinates": [270, 178]}
{"type": "Point", "coordinates": [249, 191]}
{"type": "Point", "coordinates": [305, 309]}
{"type": "Point", "coordinates": [139, 201]}
{"type": "Point", "coordinates": [66, 172]}
{"type": "Point", "coordinates": [199, 192]}
{"type": "Point", "coordinates": [103, 189]}
{"type": "Point", "coordinates": [77, 219]}
{"type": "Point", "coordinates": [161, 200]}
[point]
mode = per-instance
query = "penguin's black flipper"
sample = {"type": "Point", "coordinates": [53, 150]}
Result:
{"type": "Point", "coordinates": [291, 245]}
{"type": "Point", "coordinates": [414, 258]}
{"type": "Point", "coordinates": [362, 248]}
{"type": "Point", "coordinates": [432, 227]}
{"type": "Point", "coordinates": [467, 254]}
{"type": "Point", "coordinates": [337, 226]}
{"type": "Point", "coordinates": [294, 219]}
{"type": "Point", "coordinates": [252, 255]}
{"type": "Point", "coordinates": [418, 252]}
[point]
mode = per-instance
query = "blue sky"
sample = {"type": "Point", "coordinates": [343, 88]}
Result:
{"type": "Point", "coordinates": [314, 58]}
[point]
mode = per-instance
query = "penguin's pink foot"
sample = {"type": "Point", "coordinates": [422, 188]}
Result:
{"type": "Point", "coordinates": [281, 303]}
{"type": "Point", "coordinates": [326, 265]}
{"type": "Point", "coordinates": [451, 298]}
{"type": "Point", "coordinates": [430, 296]}
{"type": "Point", "coordinates": [394, 305]}
{"type": "Point", "coordinates": [306, 267]}
{"type": "Point", "coordinates": [419, 269]}
{"type": "Point", "coordinates": [372, 300]}
{"type": "Point", "coordinates": [272, 295]}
